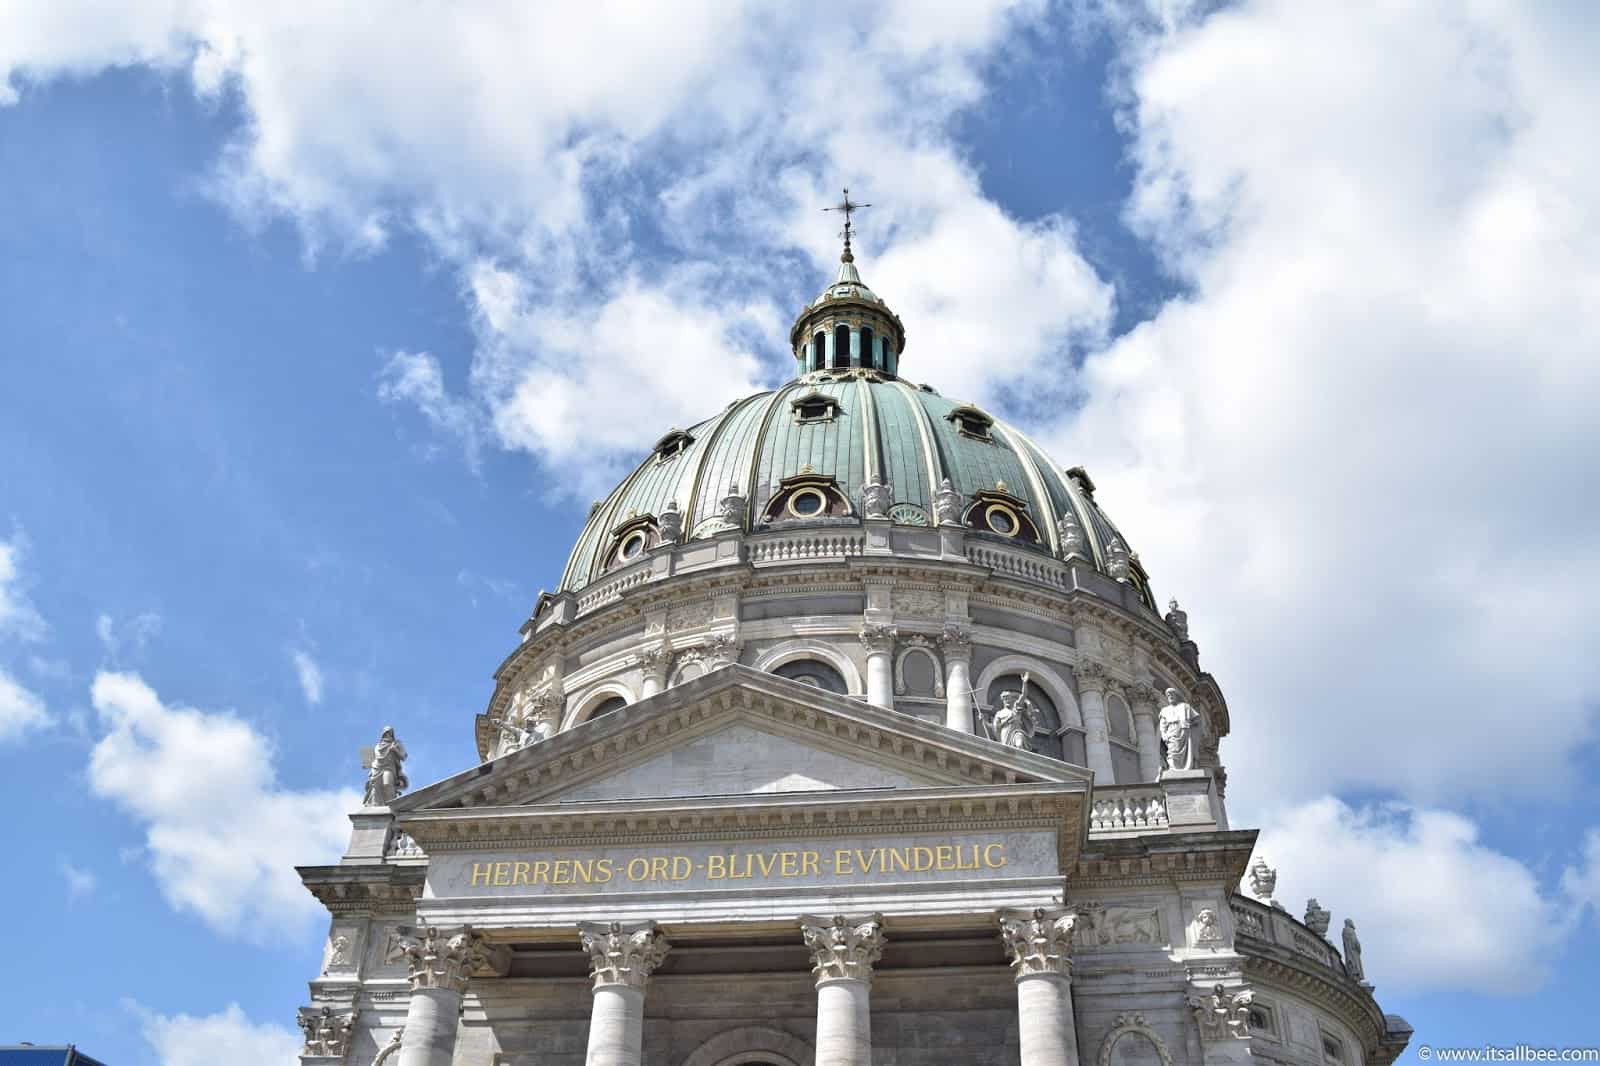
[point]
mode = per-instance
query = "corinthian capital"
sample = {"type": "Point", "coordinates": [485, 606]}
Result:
{"type": "Point", "coordinates": [955, 640]}
{"type": "Point", "coordinates": [878, 638]}
{"type": "Point", "coordinates": [1092, 675]}
{"type": "Point", "coordinates": [443, 958]}
{"type": "Point", "coordinates": [622, 955]}
{"type": "Point", "coordinates": [843, 948]}
{"type": "Point", "coordinates": [655, 659]}
{"type": "Point", "coordinates": [1039, 941]}
{"type": "Point", "coordinates": [1143, 694]}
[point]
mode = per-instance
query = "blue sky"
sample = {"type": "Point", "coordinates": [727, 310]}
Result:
{"type": "Point", "coordinates": [305, 325]}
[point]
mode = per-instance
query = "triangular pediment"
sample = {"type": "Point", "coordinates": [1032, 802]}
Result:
{"type": "Point", "coordinates": [739, 732]}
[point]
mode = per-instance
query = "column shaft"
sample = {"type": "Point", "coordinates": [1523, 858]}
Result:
{"type": "Point", "coordinates": [1097, 743]}
{"type": "Point", "coordinates": [844, 1023]}
{"type": "Point", "coordinates": [1144, 724]}
{"type": "Point", "coordinates": [958, 694]}
{"type": "Point", "coordinates": [880, 679]}
{"type": "Point", "coordinates": [616, 1027]}
{"type": "Point", "coordinates": [431, 1019]}
{"type": "Point", "coordinates": [1044, 1020]}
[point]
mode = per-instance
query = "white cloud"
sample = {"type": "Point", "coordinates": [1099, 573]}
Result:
{"type": "Point", "coordinates": [18, 617]}
{"type": "Point", "coordinates": [1581, 883]}
{"type": "Point", "coordinates": [416, 379]}
{"type": "Point", "coordinates": [130, 637]}
{"type": "Point", "coordinates": [645, 238]}
{"type": "Point", "coordinates": [223, 836]}
{"type": "Point", "coordinates": [1356, 449]}
{"type": "Point", "coordinates": [1433, 905]}
{"type": "Point", "coordinates": [185, 1040]}
{"type": "Point", "coordinates": [309, 674]}
{"type": "Point", "coordinates": [80, 882]}
{"type": "Point", "coordinates": [21, 711]}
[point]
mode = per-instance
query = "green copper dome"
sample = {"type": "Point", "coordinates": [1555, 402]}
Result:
{"type": "Point", "coordinates": [848, 441]}
{"type": "Point", "coordinates": [839, 431]}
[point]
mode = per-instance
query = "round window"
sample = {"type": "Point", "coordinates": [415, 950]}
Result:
{"type": "Point", "coordinates": [633, 545]}
{"type": "Point", "coordinates": [807, 502]}
{"type": "Point", "coordinates": [1003, 520]}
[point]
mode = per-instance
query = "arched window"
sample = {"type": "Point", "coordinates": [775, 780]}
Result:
{"type": "Point", "coordinates": [1124, 744]}
{"type": "Point", "coordinates": [615, 703]}
{"type": "Point", "coordinates": [841, 345]}
{"type": "Point", "coordinates": [819, 345]}
{"type": "Point", "coordinates": [1067, 745]}
{"type": "Point", "coordinates": [814, 673]}
{"type": "Point", "coordinates": [868, 357]}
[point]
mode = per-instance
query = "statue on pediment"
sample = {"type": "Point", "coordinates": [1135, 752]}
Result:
{"type": "Point", "coordinates": [386, 779]}
{"type": "Point", "coordinates": [1352, 952]}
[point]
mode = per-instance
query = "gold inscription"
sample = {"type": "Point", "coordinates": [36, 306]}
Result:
{"type": "Point", "coordinates": [744, 865]}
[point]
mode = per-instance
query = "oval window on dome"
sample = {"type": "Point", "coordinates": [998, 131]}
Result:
{"type": "Point", "coordinates": [807, 503]}
{"type": "Point", "coordinates": [633, 545]}
{"type": "Point", "coordinates": [1003, 520]}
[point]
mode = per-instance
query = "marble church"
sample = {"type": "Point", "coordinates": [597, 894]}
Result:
{"type": "Point", "coordinates": [853, 733]}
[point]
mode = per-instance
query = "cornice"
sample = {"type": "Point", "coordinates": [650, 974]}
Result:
{"type": "Point", "coordinates": [365, 890]}
{"type": "Point", "coordinates": [1042, 805]}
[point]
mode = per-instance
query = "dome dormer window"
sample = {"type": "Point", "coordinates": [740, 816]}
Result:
{"type": "Point", "coordinates": [815, 407]}
{"type": "Point", "coordinates": [631, 541]}
{"type": "Point", "coordinates": [672, 445]}
{"type": "Point", "coordinates": [997, 511]}
{"type": "Point", "coordinates": [807, 497]}
{"type": "Point", "coordinates": [971, 422]}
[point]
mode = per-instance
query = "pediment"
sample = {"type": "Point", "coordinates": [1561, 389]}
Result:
{"type": "Point", "coordinates": [739, 732]}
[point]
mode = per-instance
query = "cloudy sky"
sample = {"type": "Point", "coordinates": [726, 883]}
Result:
{"type": "Point", "coordinates": [322, 328]}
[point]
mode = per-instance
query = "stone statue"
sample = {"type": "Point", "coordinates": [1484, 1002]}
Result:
{"type": "Point", "coordinates": [390, 1048]}
{"type": "Point", "coordinates": [730, 508]}
{"type": "Point", "coordinates": [1178, 620]}
{"type": "Point", "coordinates": [1263, 881]}
{"type": "Point", "coordinates": [1118, 563]}
{"type": "Point", "coordinates": [669, 523]}
{"type": "Point", "coordinates": [1352, 952]}
{"type": "Point", "coordinates": [1070, 533]}
{"type": "Point", "coordinates": [1018, 719]}
{"type": "Point", "coordinates": [1317, 917]}
{"type": "Point", "coordinates": [1178, 724]}
{"type": "Point", "coordinates": [385, 777]}
{"type": "Point", "coordinates": [947, 504]}
{"type": "Point", "coordinates": [877, 497]}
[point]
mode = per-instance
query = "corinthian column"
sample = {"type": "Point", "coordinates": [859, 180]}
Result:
{"type": "Point", "coordinates": [957, 646]}
{"type": "Point", "coordinates": [842, 953]}
{"type": "Point", "coordinates": [1143, 697]}
{"type": "Point", "coordinates": [1092, 678]}
{"type": "Point", "coordinates": [879, 642]}
{"type": "Point", "coordinates": [622, 958]}
{"type": "Point", "coordinates": [440, 961]}
{"type": "Point", "coordinates": [1039, 943]}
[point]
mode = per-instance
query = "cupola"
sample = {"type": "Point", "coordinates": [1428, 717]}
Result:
{"type": "Point", "coordinates": [848, 327]}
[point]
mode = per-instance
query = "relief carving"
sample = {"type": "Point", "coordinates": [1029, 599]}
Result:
{"type": "Point", "coordinates": [918, 601]}
{"type": "Point", "coordinates": [1104, 926]}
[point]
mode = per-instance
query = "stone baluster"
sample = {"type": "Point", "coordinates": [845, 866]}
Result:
{"type": "Point", "coordinates": [843, 951]}
{"type": "Point", "coordinates": [956, 643]}
{"type": "Point", "coordinates": [879, 642]}
{"type": "Point", "coordinates": [653, 663]}
{"type": "Point", "coordinates": [1143, 698]}
{"type": "Point", "coordinates": [1092, 680]}
{"type": "Point", "coordinates": [622, 958]}
{"type": "Point", "coordinates": [1039, 944]}
{"type": "Point", "coordinates": [440, 961]}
